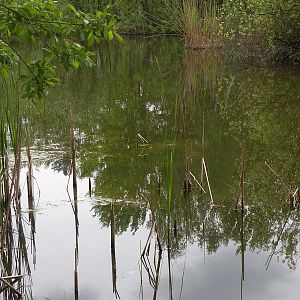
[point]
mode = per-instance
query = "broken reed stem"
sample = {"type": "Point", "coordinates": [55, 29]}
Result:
{"type": "Point", "coordinates": [157, 272]}
{"type": "Point", "coordinates": [11, 287]}
{"type": "Point", "coordinates": [202, 173]}
{"type": "Point", "coordinates": [148, 239]}
{"type": "Point", "coordinates": [142, 138]}
{"type": "Point", "coordinates": [197, 181]}
{"type": "Point", "coordinates": [272, 170]}
{"type": "Point", "coordinates": [206, 175]}
{"type": "Point", "coordinates": [152, 272]}
{"type": "Point", "coordinates": [158, 265]}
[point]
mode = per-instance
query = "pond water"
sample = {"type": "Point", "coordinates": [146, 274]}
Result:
{"type": "Point", "coordinates": [187, 169]}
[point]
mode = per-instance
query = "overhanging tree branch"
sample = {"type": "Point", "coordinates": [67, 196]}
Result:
{"type": "Point", "coordinates": [20, 57]}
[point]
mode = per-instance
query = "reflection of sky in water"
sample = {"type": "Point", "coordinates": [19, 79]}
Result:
{"type": "Point", "coordinates": [218, 277]}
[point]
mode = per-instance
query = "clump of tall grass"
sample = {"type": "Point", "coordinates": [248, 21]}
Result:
{"type": "Point", "coordinates": [14, 261]}
{"type": "Point", "coordinates": [201, 21]}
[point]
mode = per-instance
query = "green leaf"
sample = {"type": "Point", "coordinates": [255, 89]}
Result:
{"type": "Point", "coordinates": [90, 38]}
{"type": "Point", "coordinates": [48, 56]}
{"type": "Point", "coordinates": [118, 37]}
{"type": "Point", "coordinates": [75, 64]}
{"type": "Point", "coordinates": [99, 14]}
{"type": "Point", "coordinates": [72, 8]}
{"type": "Point", "coordinates": [108, 34]}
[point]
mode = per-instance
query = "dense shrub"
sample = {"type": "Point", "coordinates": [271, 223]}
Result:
{"type": "Point", "coordinates": [263, 28]}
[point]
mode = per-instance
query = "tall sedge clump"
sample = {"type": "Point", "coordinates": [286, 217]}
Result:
{"type": "Point", "coordinates": [201, 21]}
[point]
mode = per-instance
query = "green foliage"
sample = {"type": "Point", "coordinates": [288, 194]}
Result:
{"type": "Point", "coordinates": [127, 94]}
{"type": "Point", "coordinates": [270, 28]}
{"type": "Point", "coordinates": [59, 28]}
{"type": "Point", "coordinates": [142, 16]}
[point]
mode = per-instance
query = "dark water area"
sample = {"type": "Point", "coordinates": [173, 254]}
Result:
{"type": "Point", "coordinates": [187, 178]}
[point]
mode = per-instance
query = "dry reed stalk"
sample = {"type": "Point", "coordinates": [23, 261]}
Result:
{"type": "Point", "coordinates": [201, 187]}
{"type": "Point", "coordinates": [142, 138]}
{"type": "Point", "coordinates": [13, 194]}
{"type": "Point", "coordinates": [207, 180]}
{"type": "Point", "coordinates": [242, 246]}
{"type": "Point", "coordinates": [90, 187]}
{"type": "Point", "coordinates": [145, 257]}
{"type": "Point", "coordinates": [141, 293]}
{"type": "Point", "coordinates": [152, 271]}
{"type": "Point", "coordinates": [277, 175]}
{"type": "Point", "coordinates": [30, 194]}
{"type": "Point", "coordinates": [74, 204]}
{"type": "Point", "coordinates": [113, 251]}
{"type": "Point", "coordinates": [11, 287]}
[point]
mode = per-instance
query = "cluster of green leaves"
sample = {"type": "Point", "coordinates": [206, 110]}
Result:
{"type": "Point", "coordinates": [64, 33]}
{"type": "Point", "coordinates": [272, 26]}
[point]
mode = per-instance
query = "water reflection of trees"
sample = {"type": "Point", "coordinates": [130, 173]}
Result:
{"type": "Point", "coordinates": [119, 99]}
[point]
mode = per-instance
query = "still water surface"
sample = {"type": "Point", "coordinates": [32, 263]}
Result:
{"type": "Point", "coordinates": [152, 124]}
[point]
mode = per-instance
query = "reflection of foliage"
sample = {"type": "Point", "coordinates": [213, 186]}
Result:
{"type": "Point", "coordinates": [126, 214]}
{"type": "Point", "coordinates": [123, 99]}
{"type": "Point", "coordinates": [262, 115]}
